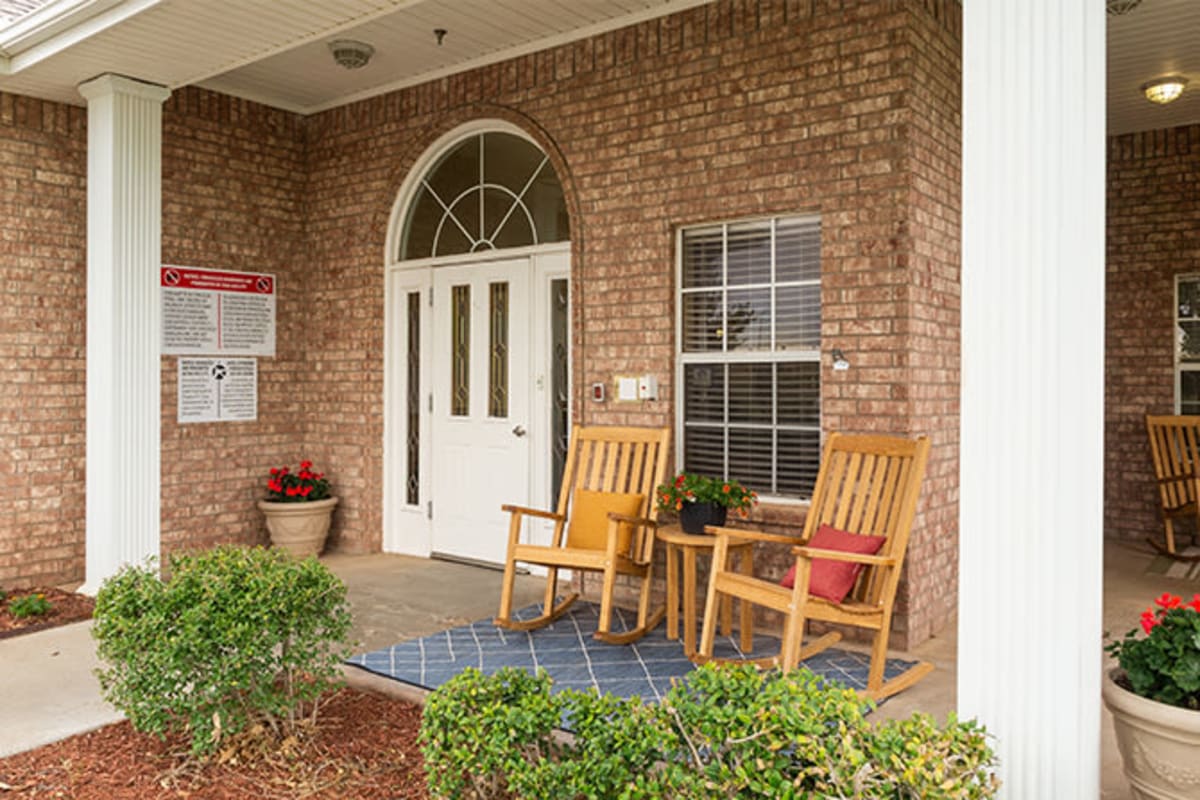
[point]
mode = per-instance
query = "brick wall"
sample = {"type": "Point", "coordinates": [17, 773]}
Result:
{"type": "Point", "coordinates": [233, 192]}
{"type": "Point", "coordinates": [738, 108]}
{"type": "Point", "coordinates": [729, 110]}
{"type": "Point", "coordinates": [932, 353]}
{"type": "Point", "coordinates": [1153, 215]}
{"type": "Point", "coordinates": [43, 272]}
{"type": "Point", "coordinates": [233, 198]}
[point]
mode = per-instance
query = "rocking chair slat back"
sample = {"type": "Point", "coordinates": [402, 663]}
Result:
{"type": "Point", "coordinates": [1175, 451]}
{"type": "Point", "coordinates": [621, 460]}
{"type": "Point", "coordinates": [866, 487]}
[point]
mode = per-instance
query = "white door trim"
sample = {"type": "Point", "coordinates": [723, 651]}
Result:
{"type": "Point", "coordinates": [406, 528]}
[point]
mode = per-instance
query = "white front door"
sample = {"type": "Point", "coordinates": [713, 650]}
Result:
{"type": "Point", "coordinates": [480, 405]}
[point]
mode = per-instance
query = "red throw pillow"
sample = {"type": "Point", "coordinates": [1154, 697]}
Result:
{"type": "Point", "coordinates": [833, 580]}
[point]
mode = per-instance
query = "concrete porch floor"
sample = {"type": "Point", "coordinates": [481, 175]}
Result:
{"type": "Point", "coordinates": [398, 597]}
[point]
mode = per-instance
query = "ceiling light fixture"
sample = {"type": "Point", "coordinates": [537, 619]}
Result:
{"type": "Point", "coordinates": [1164, 90]}
{"type": "Point", "coordinates": [1118, 7]}
{"type": "Point", "coordinates": [351, 54]}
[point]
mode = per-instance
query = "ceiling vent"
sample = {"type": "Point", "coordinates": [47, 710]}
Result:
{"type": "Point", "coordinates": [351, 54]}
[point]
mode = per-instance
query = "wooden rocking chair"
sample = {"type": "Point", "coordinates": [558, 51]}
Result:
{"type": "Point", "coordinates": [857, 526]}
{"type": "Point", "coordinates": [1175, 449]}
{"type": "Point", "coordinates": [605, 522]}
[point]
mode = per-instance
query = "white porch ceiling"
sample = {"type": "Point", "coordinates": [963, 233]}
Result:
{"type": "Point", "coordinates": [276, 51]}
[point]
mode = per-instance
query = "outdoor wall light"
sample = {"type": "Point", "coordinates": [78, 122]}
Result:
{"type": "Point", "coordinates": [840, 364]}
{"type": "Point", "coordinates": [351, 54]}
{"type": "Point", "coordinates": [1164, 90]}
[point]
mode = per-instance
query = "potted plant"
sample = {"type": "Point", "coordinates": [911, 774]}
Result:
{"type": "Point", "coordinates": [298, 508]}
{"type": "Point", "coordinates": [1154, 697]}
{"type": "Point", "coordinates": [700, 500]}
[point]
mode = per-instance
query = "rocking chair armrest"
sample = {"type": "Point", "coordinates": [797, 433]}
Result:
{"type": "Point", "coordinates": [644, 522]}
{"type": "Point", "coordinates": [841, 555]}
{"type": "Point", "coordinates": [748, 535]}
{"type": "Point", "coordinates": [532, 512]}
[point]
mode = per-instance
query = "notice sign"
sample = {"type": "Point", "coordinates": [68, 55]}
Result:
{"type": "Point", "coordinates": [213, 312]}
{"type": "Point", "coordinates": [218, 389]}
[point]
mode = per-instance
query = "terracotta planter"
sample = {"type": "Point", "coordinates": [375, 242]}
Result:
{"type": "Point", "coordinates": [694, 516]}
{"type": "Point", "coordinates": [1160, 744]}
{"type": "Point", "coordinates": [299, 528]}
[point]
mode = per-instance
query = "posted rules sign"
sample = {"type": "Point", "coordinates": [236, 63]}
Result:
{"type": "Point", "coordinates": [216, 312]}
{"type": "Point", "coordinates": [218, 389]}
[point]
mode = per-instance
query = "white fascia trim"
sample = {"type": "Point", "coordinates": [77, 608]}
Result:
{"type": "Point", "coordinates": [61, 25]}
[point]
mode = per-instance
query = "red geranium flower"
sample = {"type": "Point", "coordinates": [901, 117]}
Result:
{"type": "Point", "coordinates": [303, 486]}
{"type": "Point", "coordinates": [1168, 601]}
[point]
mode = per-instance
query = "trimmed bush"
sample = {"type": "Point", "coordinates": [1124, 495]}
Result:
{"type": "Point", "coordinates": [724, 732]}
{"type": "Point", "coordinates": [236, 637]}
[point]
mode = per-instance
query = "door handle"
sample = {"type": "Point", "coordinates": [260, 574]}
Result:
{"type": "Point", "coordinates": [519, 430]}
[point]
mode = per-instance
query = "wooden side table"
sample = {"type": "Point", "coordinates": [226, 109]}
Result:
{"type": "Point", "coordinates": [685, 547]}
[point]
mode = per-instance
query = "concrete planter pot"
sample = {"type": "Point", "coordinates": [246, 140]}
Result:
{"type": "Point", "coordinates": [299, 528]}
{"type": "Point", "coordinates": [1160, 744]}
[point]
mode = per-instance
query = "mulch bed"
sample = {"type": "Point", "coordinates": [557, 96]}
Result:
{"type": "Point", "coordinates": [364, 747]}
{"type": "Point", "coordinates": [66, 607]}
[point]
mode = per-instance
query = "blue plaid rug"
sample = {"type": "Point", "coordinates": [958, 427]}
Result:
{"type": "Point", "coordinates": [567, 651]}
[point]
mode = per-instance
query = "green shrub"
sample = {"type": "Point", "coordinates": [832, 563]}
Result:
{"type": "Point", "coordinates": [724, 732]}
{"type": "Point", "coordinates": [30, 605]}
{"type": "Point", "coordinates": [237, 636]}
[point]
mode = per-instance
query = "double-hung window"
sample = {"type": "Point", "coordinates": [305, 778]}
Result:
{"type": "Point", "coordinates": [1187, 344]}
{"type": "Point", "coordinates": [749, 352]}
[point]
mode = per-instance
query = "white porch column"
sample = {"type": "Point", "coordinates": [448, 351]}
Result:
{"type": "Point", "coordinates": [1029, 646]}
{"type": "Point", "coordinates": [124, 233]}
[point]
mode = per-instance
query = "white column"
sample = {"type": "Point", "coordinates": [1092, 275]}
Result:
{"type": "Point", "coordinates": [1029, 645]}
{"type": "Point", "coordinates": [124, 233]}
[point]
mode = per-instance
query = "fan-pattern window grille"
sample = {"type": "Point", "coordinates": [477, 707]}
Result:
{"type": "Point", "coordinates": [488, 192]}
{"type": "Point", "coordinates": [750, 324]}
{"type": "Point", "coordinates": [1187, 344]}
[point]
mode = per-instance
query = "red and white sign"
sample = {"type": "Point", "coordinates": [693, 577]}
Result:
{"type": "Point", "coordinates": [217, 312]}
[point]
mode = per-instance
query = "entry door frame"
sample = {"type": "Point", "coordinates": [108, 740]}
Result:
{"type": "Point", "coordinates": [407, 527]}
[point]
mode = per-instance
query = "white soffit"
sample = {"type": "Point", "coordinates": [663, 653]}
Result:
{"type": "Point", "coordinates": [275, 51]}
{"type": "Point", "coordinates": [407, 53]}
{"type": "Point", "coordinates": [1155, 39]}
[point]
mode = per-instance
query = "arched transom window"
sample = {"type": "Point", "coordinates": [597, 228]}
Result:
{"type": "Point", "coordinates": [489, 191]}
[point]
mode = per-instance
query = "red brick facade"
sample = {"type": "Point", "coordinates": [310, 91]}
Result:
{"type": "Point", "coordinates": [736, 109]}
{"type": "Point", "coordinates": [43, 228]}
{"type": "Point", "coordinates": [1153, 219]}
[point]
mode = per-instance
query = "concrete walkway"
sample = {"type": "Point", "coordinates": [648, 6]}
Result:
{"type": "Point", "coordinates": [48, 690]}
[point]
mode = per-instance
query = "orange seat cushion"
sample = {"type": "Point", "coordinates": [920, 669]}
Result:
{"type": "Point", "coordinates": [833, 580]}
{"type": "Point", "coordinates": [589, 518]}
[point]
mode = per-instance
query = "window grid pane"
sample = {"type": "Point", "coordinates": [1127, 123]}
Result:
{"type": "Point", "coordinates": [413, 401]}
{"type": "Point", "coordinates": [498, 351]}
{"type": "Point", "coordinates": [460, 351]}
{"type": "Point", "coordinates": [491, 191]}
{"type": "Point", "coordinates": [1187, 344]}
{"type": "Point", "coordinates": [560, 383]}
{"type": "Point", "coordinates": [754, 420]}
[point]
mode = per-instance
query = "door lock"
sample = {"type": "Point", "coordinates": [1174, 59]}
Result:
{"type": "Point", "coordinates": [519, 430]}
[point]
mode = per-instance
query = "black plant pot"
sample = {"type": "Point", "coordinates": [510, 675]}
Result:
{"type": "Point", "coordinates": [694, 516]}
